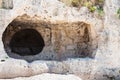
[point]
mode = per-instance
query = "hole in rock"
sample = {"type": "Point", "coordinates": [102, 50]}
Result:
{"type": "Point", "coordinates": [26, 42]}
{"type": "Point", "coordinates": [25, 39]}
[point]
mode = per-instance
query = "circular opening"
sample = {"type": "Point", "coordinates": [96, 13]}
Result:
{"type": "Point", "coordinates": [26, 42]}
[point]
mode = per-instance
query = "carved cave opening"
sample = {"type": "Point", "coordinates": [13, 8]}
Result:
{"type": "Point", "coordinates": [32, 40]}
{"type": "Point", "coordinates": [26, 42]}
{"type": "Point", "coordinates": [20, 41]}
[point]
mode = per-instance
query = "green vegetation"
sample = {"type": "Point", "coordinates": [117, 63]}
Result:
{"type": "Point", "coordinates": [92, 5]}
{"type": "Point", "coordinates": [87, 4]}
{"type": "Point", "coordinates": [118, 13]}
{"type": "Point", "coordinates": [100, 11]}
{"type": "Point", "coordinates": [92, 8]}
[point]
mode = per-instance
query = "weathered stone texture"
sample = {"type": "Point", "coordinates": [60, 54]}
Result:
{"type": "Point", "coordinates": [6, 4]}
{"type": "Point", "coordinates": [66, 40]}
{"type": "Point", "coordinates": [67, 32]}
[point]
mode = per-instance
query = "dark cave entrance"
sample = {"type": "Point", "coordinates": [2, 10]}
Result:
{"type": "Point", "coordinates": [26, 42]}
{"type": "Point", "coordinates": [32, 40]}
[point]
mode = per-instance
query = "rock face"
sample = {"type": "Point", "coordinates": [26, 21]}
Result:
{"type": "Point", "coordinates": [48, 77]}
{"type": "Point", "coordinates": [7, 4]}
{"type": "Point", "coordinates": [61, 40]}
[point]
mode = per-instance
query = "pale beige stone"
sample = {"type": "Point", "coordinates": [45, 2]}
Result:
{"type": "Point", "coordinates": [67, 27]}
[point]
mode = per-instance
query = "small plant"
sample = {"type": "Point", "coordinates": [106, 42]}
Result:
{"type": "Point", "coordinates": [87, 4]}
{"type": "Point", "coordinates": [100, 11]}
{"type": "Point", "coordinates": [92, 8]}
{"type": "Point", "coordinates": [118, 13]}
{"type": "Point", "coordinates": [90, 4]}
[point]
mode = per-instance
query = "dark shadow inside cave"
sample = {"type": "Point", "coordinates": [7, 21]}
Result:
{"type": "Point", "coordinates": [26, 42]}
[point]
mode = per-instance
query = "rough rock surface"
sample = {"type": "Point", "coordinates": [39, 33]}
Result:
{"type": "Point", "coordinates": [48, 77]}
{"type": "Point", "coordinates": [104, 66]}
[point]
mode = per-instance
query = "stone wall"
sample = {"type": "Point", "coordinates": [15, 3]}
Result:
{"type": "Point", "coordinates": [67, 32]}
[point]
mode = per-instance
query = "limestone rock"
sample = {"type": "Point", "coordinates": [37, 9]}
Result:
{"type": "Point", "coordinates": [48, 77]}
